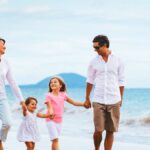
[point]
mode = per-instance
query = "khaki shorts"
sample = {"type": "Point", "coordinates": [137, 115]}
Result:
{"type": "Point", "coordinates": [106, 117]}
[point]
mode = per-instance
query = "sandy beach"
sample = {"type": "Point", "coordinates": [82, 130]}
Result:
{"type": "Point", "coordinates": [75, 136]}
{"type": "Point", "coordinates": [67, 143]}
{"type": "Point", "coordinates": [77, 128]}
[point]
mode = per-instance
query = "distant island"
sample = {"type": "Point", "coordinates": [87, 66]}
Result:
{"type": "Point", "coordinates": [72, 80]}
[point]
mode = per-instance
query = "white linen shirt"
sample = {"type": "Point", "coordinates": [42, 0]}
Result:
{"type": "Point", "coordinates": [6, 73]}
{"type": "Point", "coordinates": [107, 77]}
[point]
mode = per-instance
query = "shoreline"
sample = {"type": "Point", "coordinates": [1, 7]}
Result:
{"type": "Point", "coordinates": [69, 142]}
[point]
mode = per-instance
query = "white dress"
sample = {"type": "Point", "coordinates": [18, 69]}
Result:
{"type": "Point", "coordinates": [28, 130]}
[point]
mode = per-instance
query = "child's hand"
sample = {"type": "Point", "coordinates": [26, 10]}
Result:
{"type": "Point", "coordinates": [51, 114]}
{"type": "Point", "coordinates": [23, 105]}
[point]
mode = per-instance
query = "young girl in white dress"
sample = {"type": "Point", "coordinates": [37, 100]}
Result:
{"type": "Point", "coordinates": [28, 130]}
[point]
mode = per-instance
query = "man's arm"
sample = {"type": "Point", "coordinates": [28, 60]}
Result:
{"type": "Point", "coordinates": [88, 92]}
{"type": "Point", "coordinates": [121, 79]}
{"type": "Point", "coordinates": [91, 74]}
{"type": "Point", "coordinates": [121, 93]}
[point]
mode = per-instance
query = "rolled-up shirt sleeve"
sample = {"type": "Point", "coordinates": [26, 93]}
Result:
{"type": "Point", "coordinates": [12, 83]}
{"type": "Point", "coordinates": [121, 74]}
{"type": "Point", "coordinates": [91, 74]}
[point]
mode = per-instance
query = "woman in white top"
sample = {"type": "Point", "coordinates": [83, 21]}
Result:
{"type": "Point", "coordinates": [5, 73]}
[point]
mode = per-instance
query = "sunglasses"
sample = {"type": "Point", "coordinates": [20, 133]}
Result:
{"type": "Point", "coordinates": [97, 47]}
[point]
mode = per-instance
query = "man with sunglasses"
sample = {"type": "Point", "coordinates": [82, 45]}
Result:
{"type": "Point", "coordinates": [106, 72]}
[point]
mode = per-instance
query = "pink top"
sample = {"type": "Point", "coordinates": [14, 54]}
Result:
{"type": "Point", "coordinates": [57, 103]}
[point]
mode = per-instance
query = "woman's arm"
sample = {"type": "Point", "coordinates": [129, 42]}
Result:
{"type": "Point", "coordinates": [73, 102]}
{"type": "Point", "coordinates": [14, 86]}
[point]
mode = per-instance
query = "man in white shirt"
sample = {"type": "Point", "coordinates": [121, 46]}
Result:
{"type": "Point", "coordinates": [5, 114]}
{"type": "Point", "coordinates": [106, 72]}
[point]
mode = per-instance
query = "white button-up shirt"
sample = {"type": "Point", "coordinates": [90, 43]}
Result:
{"type": "Point", "coordinates": [107, 77]}
{"type": "Point", "coordinates": [6, 73]}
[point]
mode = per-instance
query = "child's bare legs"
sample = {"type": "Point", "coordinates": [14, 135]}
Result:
{"type": "Point", "coordinates": [1, 145]}
{"type": "Point", "coordinates": [30, 145]}
{"type": "Point", "coordinates": [55, 144]}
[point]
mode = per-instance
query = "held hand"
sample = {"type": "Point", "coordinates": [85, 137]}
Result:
{"type": "Point", "coordinates": [87, 104]}
{"type": "Point", "coordinates": [51, 114]}
{"type": "Point", "coordinates": [22, 103]}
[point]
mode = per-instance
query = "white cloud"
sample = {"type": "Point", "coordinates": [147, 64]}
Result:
{"type": "Point", "coordinates": [49, 57]}
{"type": "Point", "coordinates": [114, 14]}
{"type": "Point", "coordinates": [36, 9]}
{"type": "Point", "coordinates": [8, 10]}
{"type": "Point", "coordinates": [53, 37]}
{"type": "Point", "coordinates": [26, 10]}
{"type": "Point", "coordinates": [3, 1]}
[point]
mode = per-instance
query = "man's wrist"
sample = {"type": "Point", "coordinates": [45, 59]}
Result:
{"type": "Point", "coordinates": [87, 97]}
{"type": "Point", "coordinates": [88, 100]}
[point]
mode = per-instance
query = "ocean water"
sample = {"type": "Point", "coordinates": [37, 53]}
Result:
{"type": "Point", "coordinates": [78, 121]}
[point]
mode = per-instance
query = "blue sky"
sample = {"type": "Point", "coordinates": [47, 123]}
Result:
{"type": "Point", "coordinates": [46, 37]}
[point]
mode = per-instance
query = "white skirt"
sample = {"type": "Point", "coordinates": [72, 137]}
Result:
{"type": "Point", "coordinates": [28, 130]}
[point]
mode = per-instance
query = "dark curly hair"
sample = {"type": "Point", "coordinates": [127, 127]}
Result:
{"type": "Point", "coordinates": [28, 100]}
{"type": "Point", "coordinates": [102, 40]}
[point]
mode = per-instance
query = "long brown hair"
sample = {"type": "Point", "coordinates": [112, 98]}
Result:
{"type": "Point", "coordinates": [62, 83]}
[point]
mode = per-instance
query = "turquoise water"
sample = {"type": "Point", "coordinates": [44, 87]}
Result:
{"type": "Point", "coordinates": [135, 113]}
{"type": "Point", "coordinates": [136, 101]}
